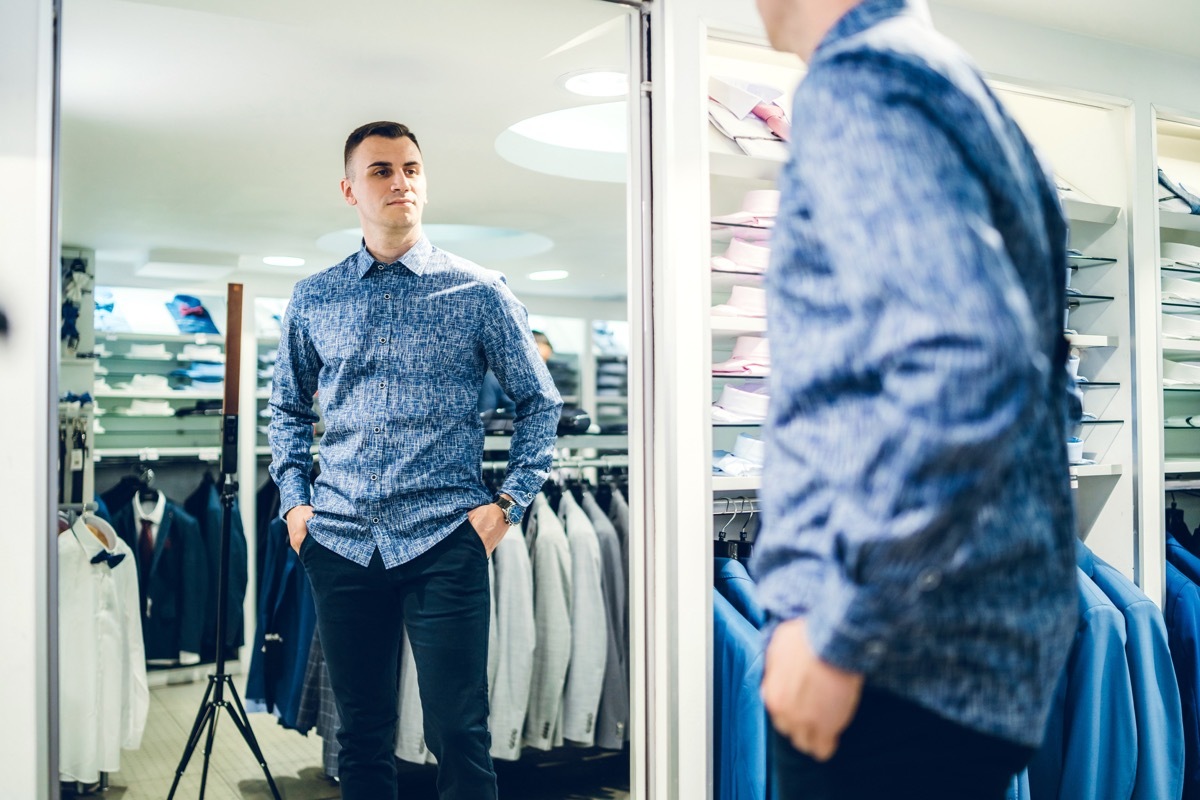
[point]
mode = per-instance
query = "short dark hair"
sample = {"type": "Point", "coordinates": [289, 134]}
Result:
{"type": "Point", "coordinates": [388, 130]}
{"type": "Point", "coordinates": [542, 338]}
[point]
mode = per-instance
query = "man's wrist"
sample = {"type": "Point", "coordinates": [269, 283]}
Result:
{"type": "Point", "coordinates": [512, 510]}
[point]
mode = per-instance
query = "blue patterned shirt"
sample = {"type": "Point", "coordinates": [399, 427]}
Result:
{"type": "Point", "coordinates": [917, 511]}
{"type": "Point", "coordinates": [398, 353]}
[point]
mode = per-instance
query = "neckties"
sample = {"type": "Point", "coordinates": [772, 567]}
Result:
{"type": "Point", "coordinates": [776, 121]}
{"type": "Point", "coordinates": [111, 558]}
{"type": "Point", "coordinates": [146, 548]}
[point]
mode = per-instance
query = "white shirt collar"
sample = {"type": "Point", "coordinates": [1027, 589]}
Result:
{"type": "Point", "coordinates": [154, 516]}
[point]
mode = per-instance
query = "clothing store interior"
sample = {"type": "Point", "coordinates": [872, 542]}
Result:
{"type": "Point", "coordinates": [202, 146]}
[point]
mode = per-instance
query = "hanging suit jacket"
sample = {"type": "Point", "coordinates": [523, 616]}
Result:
{"type": "Point", "coordinates": [736, 585]}
{"type": "Point", "coordinates": [1159, 717]}
{"type": "Point", "coordinates": [516, 637]}
{"type": "Point", "coordinates": [589, 625]}
{"type": "Point", "coordinates": [283, 637]}
{"type": "Point", "coordinates": [1090, 746]}
{"type": "Point", "coordinates": [205, 505]}
{"type": "Point", "coordinates": [613, 720]}
{"type": "Point", "coordinates": [1018, 789]}
{"type": "Point", "coordinates": [173, 597]}
{"type": "Point", "coordinates": [550, 556]}
{"type": "Point", "coordinates": [1183, 633]}
{"type": "Point", "coordinates": [740, 720]}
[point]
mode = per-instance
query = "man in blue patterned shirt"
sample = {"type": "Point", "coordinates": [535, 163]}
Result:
{"type": "Point", "coordinates": [917, 552]}
{"type": "Point", "coordinates": [396, 533]}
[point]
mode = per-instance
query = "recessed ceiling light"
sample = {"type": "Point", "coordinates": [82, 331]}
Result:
{"type": "Point", "coordinates": [597, 83]}
{"type": "Point", "coordinates": [549, 275]}
{"type": "Point", "coordinates": [283, 261]}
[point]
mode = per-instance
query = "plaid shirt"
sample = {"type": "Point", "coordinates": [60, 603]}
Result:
{"type": "Point", "coordinates": [398, 353]}
{"type": "Point", "coordinates": [917, 510]}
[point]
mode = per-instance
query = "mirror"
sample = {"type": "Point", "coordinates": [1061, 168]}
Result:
{"type": "Point", "coordinates": [202, 145]}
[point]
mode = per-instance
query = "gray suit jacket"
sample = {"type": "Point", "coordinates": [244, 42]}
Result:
{"type": "Point", "coordinates": [515, 643]}
{"type": "Point", "coordinates": [589, 626]}
{"type": "Point", "coordinates": [550, 556]}
{"type": "Point", "coordinates": [410, 733]}
{"type": "Point", "coordinates": [614, 700]}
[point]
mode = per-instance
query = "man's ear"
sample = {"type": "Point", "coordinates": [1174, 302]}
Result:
{"type": "Point", "coordinates": [348, 192]}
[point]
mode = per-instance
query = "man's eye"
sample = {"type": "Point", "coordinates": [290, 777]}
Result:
{"type": "Point", "coordinates": [381, 173]}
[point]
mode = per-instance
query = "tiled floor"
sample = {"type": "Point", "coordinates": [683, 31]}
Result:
{"type": "Point", "coordinates": [295, 763]}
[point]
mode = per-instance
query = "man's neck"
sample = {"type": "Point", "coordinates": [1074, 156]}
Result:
{"type": "Point", "coordinates": [814, 22]}
{"type": "Point", "coordinates": [388, 247]}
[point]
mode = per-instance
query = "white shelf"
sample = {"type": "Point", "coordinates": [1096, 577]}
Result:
{"type": "Point", "coordinates": [722, 483]}
{"type": "Point", "coordinates": [187, 338]}
{"type": "Point", "coordinates": [211, 454]}
{"type": "Point", "coordinates": [739, 165]}
{"type": "Point", "coordinates": [725, 281]}
{"type": "Point", "coordinates": [1086, 340]}
{"type": "Point", "coordinates": [1177, 348]}
{"type": "Point", "coordinates": [611, 399]}
{"type": "Point", "coordinates": [1178, 221]}
{"type": "Point", "coordinates": [1081, 211]}
{"type": "Point", "coordinates": [738, 325]}
{"type": "Point", "coordinates": [1095, 470]}
{"type": "Point", "coordinates": [1179, 465]}
{"type": "Point", "coordinates": [171, 394]}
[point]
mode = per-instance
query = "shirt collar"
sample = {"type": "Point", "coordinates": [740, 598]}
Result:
{"type": "Point", "coordinates": [88, 542]}
{"type": "Point", "coordinates": [154, 516]}
{"type": "Point", "coordinates": [416, 259]}
{"type": "Point", "coordinates": [865, 15]}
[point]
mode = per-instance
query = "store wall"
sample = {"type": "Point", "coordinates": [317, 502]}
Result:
{"type": "Point", "coordinates": [25, 377]}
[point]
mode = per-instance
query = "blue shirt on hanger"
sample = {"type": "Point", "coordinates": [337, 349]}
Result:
{"type": "Point", "coordinates": [1183, 632]}
{"type": "Point", "coordinates": [740, 719]}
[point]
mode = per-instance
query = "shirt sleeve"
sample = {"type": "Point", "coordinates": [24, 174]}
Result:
{"type": "Point", "coordinates": [895, 422]}
{"type": "Point", "coordinates": [513, 356]}
{"type": "Point", "coordinates": [290, 433]}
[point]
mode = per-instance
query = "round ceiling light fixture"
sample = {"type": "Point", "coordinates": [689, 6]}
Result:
{"type": "Point", "coordinates": [549, 275]}
{"type": "Point", "coordinates": [283, 261]}
{"type": "Point", "coordinates": [597, 83]}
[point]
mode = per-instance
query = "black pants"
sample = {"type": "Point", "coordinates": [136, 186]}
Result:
{"type": "Point", "coordinates": [896, 749]}
{"type": "Point", "coordinates": [443, 600]}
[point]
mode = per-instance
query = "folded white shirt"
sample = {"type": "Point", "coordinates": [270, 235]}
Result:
{"type": "Point", "coordinates": [744, 301]}
{"type": "Point", "coordinates": [739, 404]}
{"type": "Point", "coordinates": [1177, 327]}
{"type": "Point", "coordinates": [1180, 289]}
{"type": "Point", "coordinates": [1176, 373]}
{"type": "Point", "coordinates": [751, 357]}
{"type": "Point", "coordinates": [743, 256]}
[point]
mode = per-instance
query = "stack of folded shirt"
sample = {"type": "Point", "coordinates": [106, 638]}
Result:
{"type": "Point", "coordinates": [743, 257]}
{"type": "Point", "coordinates": [744, 301]}
{"type": "Point", "coordinates": [751, 359]}
{"type": "Point", "coordinates": [754, 221]}
{"type": "Point", "coordinates": [203, 372]}
{"type": "Point", "coordinates": [209, 353]}
{"type": "Point", "coordinates": [747, 114]}
{"type": "Point", "coordinates": [741, 404]}
{"type": "Point", "coordinates": [746, 459]}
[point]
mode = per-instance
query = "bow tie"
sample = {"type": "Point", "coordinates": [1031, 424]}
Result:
{"type": "Point", "coordinates": [191, 311]}
{"type": "Point", "coordinates": [104, 306]}
{"type": "Point", "coordinates": [111, 558]}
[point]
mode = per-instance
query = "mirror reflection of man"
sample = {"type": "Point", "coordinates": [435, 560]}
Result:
{"type": "Point", "coordinates": [396, 533]}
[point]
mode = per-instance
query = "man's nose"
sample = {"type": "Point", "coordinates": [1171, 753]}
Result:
{"type": "Point", "coordinates": [401, 182]}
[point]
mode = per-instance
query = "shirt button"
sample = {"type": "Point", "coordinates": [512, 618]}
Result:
{"type": "Point", "coordinates": [929, 580]}
{"type": "Point", "coordinates": [377, 430]}
{"type": "Point", "coordinates": [387, 297]}
{"type": "Point", "coordinates": [381, 384]}
{"type": "Point", "coordinates": [374, 477]}
{"type": "Point", "coordinates": [382, 340]}
{"type": "Point", "coordinates": [374, 519]}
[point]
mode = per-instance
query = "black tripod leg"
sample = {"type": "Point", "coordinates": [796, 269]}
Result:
{"type": "Point", "coordinates": [206, 711]}
{"type": "Point", "coordinates": [243, 724]}
{"type": "Point", "coordinates": [208, 746]}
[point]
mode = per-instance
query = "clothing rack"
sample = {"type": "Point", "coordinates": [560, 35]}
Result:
{"type": "Point", "coordinates": [610, 462]}
{"type": "Point", "coordinates": [1180, 485]}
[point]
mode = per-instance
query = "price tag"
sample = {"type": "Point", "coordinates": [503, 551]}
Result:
{"type": "Point", "coordinates": [76, 460]}
{"type": "Point", "coordinates": [210, 454]}
{"type": "Point", "coordinates": [148, 454]}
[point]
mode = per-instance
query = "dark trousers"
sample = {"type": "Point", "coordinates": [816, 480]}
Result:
{"type": "Point", "coordinates": [896, 749]}
{"type": "Point", "coordinates": [443, 599]}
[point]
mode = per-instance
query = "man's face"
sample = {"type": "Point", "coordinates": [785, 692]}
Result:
{"type": "Point", "coordinates": [387, 183]}
{"type": "Point", "coordinates": [545, 350]}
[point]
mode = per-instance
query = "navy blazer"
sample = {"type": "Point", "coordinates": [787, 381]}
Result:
{"type": "Point", "coordinates": [1090, 746]}
{"type": "Point", "coordinates": [734, 582]}
{"type": "Point", "coordinates": [287, 618]}
{"type": "Point", "coordinates": [174, 597]}
{"type": "Point", "coordinates": [1160, 749]}
{"type": "Point", "coordinates": [740, 724]}
{"type": "Point", "coordinates": [1183, 633]}
{"type": "Point", "coordinates": [205, 505]}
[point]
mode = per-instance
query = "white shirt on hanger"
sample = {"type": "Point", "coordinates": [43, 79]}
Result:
{"type": "Point", "coordinates": [103, 693]}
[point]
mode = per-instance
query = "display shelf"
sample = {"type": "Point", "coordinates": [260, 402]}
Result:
{"type": "Point", "coordinates": [736, 326]}
{"type": "Point", "coordinates": [1171, 427]}
{"type": "Point", "coordinates": [739, 165]}
{"type": "Point", "coordinates": [1086, 261]}
{"type": "Point", "coordinates": [1086, 340]}
{"type": "Point", "coordinates": [717, 377]}
{"type": "Point", "coordinates": [1098, 385]}
{"type": "Point", "coordinates": [757, 424]}
{"type": "Point", "coordinates": [1181, 308]}
{"type": "Point", "coordinates": [1184, 388]}
{"type": "Point", "coordinates": [185, 338]}
{"type": "Point", "coordinates": [600, 441]}
{"type": "Point", "coordinates": [615, 399]}
{"type": "Point", "coordinates": [1082, 211]}
{"type": "Point", "coordinates": [1178, 348]}
{"type": "Point", "coordinates": [156, 453]}
{"type": "Point", "coordinates": [1102, 422]}
{"type": "Point", "coordinates": [1095, 470]}
{"type": "Point", "coordinates": [1178, 222]}
{"type": "Point", "coordinates": [1181, 269]}
{"type": "Point", "coordinates": [724, 280]}
{"type": "Point", "coordinates": [727, 483]}
{"type": "Point", "coordinates": [171, 394]}
{"type": "Point", "coordinates": [1076, 300]}
{"type": "Point", "coordinates": [1176, 466]}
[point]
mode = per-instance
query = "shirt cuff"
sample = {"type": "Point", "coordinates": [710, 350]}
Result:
{"type": "Point", "coordinates": [294, 490]}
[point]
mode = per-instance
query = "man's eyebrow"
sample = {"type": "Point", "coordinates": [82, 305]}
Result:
{"type": "Point", "coordinates": [388, 164]}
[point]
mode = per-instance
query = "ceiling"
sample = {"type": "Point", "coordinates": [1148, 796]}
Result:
{"type": "Point", "coordinates": [218, 126]}
{"type": "Point", "coordinates": [1164, 25]}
